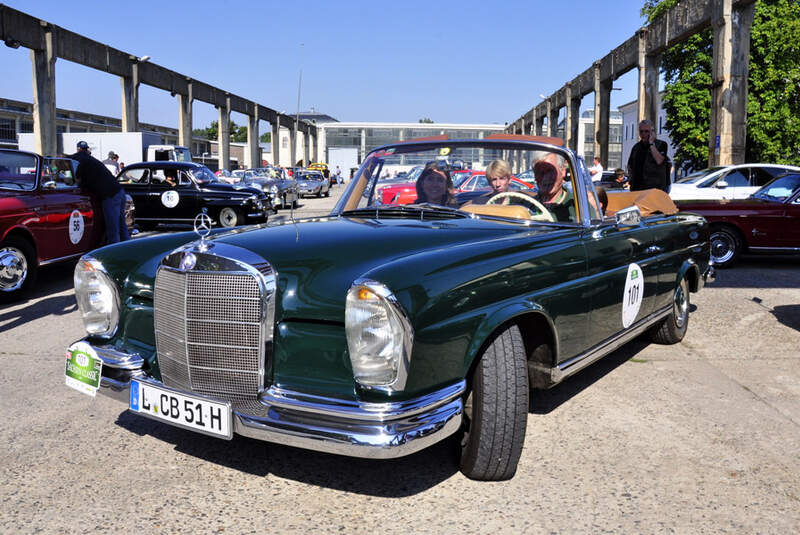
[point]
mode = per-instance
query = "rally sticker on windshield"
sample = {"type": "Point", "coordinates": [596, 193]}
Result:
{"type": "Point", "coordinates": [170, 198]}
{"type": "Point", "coordinates": [75, 226]}
{"type": "Point", "coordinates": [84, 368]}
{"type": "Point", "coordinates": [632, 298]}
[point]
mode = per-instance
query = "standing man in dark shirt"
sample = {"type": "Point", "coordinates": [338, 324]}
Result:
{"type": "Point", "coordinates": [95, 177]}
{"type": "Point", "coordinates": [648, 164]}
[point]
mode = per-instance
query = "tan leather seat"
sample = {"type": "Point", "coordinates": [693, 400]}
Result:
{"type": "Point", "coordinates": [649, 201]}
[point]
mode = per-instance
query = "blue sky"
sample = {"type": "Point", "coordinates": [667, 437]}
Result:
{"type": "Point", "coordinates": [452, 61]}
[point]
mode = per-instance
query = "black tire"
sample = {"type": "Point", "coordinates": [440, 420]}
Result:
{"type": "Point", "coordinates": [18, 269]}
{"type": "Point", "coordinates": [672, 329]}
{"type": "Point", "coordinates": [230, 217]}
{"type": "Point", "coordinates": [328, 193]}
{"type": "Point", "coordinates": [725, 246]}
{"type": "Point", "coordinates": [319, 193]}
{"type": "Point", "coordinates": [496, 410]}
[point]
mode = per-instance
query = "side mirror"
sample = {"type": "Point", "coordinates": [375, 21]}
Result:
{"type": "Point", "coordinates": [50, 184]}
{"type": "Point", "coordinates": [721, 184]}
{"type": "Point", "coordinates": [629, 216]}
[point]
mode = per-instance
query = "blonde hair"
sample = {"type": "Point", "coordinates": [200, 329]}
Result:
{"type": "Point", "coordinates": [498, 167]}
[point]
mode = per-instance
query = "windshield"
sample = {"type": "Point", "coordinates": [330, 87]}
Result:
{"type": "Point", "coordinates": [434, 188]}
{"type": "Point", "coordinates": [203, 175]}
{"type": "Point", "coordinates": [182, 154]}
{"type": "Point", "coordinates": [697, 176]}
{"type": "Point", "coordinates": [17, 171]}
{"type": "Point", "coordinates": [780, 189]}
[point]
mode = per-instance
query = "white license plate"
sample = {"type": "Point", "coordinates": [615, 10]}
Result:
{"type": "Point", "coordinates": [190, 412]}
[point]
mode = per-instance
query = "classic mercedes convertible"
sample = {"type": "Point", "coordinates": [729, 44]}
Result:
{"type": "Point", "coordinates": [381, 329]}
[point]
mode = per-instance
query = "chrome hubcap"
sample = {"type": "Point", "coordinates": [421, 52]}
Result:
{"type": "Point", "coordinates": [13, 269]}
{"type": "Point", "coordinates": [721, 248]}
{"type": "Point", "coordinates": [680, 306]}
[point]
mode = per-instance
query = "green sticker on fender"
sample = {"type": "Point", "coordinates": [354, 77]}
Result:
{"type": "Point", "coordinates": [83, 369]}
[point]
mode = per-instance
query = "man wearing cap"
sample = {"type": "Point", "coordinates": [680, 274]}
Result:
{"type": "Point", "coordinates": [95, 178]}
{"type": "Point", "coordinates": [112, 162]}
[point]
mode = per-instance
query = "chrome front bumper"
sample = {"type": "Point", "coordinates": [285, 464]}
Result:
{"type": "Point", "coordinates": [344, 427]}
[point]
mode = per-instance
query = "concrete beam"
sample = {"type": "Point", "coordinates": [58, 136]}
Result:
{"type": "Point", "coordinates": [44, 96]}
{"type": "Point", "coordinates": [224, 135]}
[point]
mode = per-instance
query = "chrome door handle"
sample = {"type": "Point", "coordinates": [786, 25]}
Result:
{"type": "Point", "coordinates": [653, 249]}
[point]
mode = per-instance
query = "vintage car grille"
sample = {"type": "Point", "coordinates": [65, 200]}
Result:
{"type": "Point", "coordinates": [210, 332]}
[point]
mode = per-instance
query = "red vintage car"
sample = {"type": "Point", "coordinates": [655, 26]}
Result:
{"type": "Point", "coordinates": [463, 180]}
{"type": "Point", "coordinates": [766, 222]}
{"type": "Point", "coordinates": [44, 218]}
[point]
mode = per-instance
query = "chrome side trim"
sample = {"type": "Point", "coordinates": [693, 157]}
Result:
{"type": "Point", "coordinates": [575, 364]}
{"type": "Point", "coordinates": [787, 249]}
{"type": "Point", "coordinates": [59, 259]}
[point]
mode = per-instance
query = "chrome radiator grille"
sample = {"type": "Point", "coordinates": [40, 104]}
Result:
{"type": "Point", "coordinates": [210, 332]}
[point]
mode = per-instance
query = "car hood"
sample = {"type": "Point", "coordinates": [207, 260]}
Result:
{"type": "Point", "coordinates": [316, 261]}
{"type": "Point", "coordinates": [244, 191]}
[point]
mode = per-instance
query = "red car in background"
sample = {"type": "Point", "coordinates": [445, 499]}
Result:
{"type": "Point", "coordinates": [44, 217]}
{"type": "Point", "coordinates": [477, 182]}
{"type": "Point", "coordinates": [766, 222]}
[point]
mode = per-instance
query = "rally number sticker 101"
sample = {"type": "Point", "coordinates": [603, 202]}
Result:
{"type": "Point", "coordinates": [632, 296]}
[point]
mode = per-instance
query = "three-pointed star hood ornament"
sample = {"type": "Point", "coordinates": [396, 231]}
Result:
{"type": "Point", "coordinates": [202, 227]}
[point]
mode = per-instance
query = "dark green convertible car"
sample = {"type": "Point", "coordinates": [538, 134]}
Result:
{"type": "Point", "coordinates": [381, 329]}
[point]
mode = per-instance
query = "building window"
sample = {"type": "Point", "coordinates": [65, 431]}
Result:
{"type": "Point", "coordinates": [7, 131]}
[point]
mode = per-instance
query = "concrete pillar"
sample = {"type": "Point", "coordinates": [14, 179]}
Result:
{"type": "Point", "coordinates": [306, 147]}
{"type": "Point", "coordinates": [322, 142]}
{"type": "Point", "coordinates": [315, 146]}
{"type": "Point", "coordinates": [253, 151]}
{"type": "Point", "coordinates": [275, 142]}
{"type": "Point", "coordinates": [552, 120]}
{"type": "Point", "coordinates": [641, 112]}
{"type": "Point", "coordinates": [548, 113]}
{"type": "Point", "coordinates": [185, 118]}
{"type": "Point", "coordinates": [224, 134]}
{"type": "Point", "coordinates": [44, 97]}
{"type": "Point", "coordinates": [651, 97]}
{"type": "Point", "coordinates": [539, 126]}
{"type": "Point", "coordinates": [730, 71]}
{"type": "Point", "coordinates": [130, 99]}
{"type": "Point", "coordinates": [601, 121]}
{"type": "Point", "coordinates": [573, 124]}
{"type": "Point", "coordinates": [293, 144]}
{"type": "Point", "coordinates": [363, 145]}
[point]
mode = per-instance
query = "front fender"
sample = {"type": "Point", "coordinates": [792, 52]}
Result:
{"type": "Point", "coordinates": [690, 270]}
{"type": "Point", "coordinates": [502, 316]}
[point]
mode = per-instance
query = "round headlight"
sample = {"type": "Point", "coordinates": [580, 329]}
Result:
{"type": "Point", "coordinates": [379, 336]}
{"type": "Point", "coordinates": [97, 296]}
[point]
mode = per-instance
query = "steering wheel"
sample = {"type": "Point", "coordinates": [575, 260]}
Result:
{"type": "Point", "coordinates": [536, 208]}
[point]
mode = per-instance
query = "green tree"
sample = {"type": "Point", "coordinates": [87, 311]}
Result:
{"type": "Point", "coordinates": [426, 120]}
{"type": "Point", "coordinates": [266, 137]}
{"type": "Point", "coordinates": [773, 106]}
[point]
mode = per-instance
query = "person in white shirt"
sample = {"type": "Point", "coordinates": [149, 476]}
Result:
{"type": "Point", "coordinates": [596, 170]}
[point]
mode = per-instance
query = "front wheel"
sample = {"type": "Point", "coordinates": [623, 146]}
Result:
{"type": "Point", "coordinates": [229, 217]}
{"type": "Point", "coordinates": [18, 269]}
{"type": "Point", "coordinates": [496, 410]}
{"type": "Point", "coordinates": [672, 329]}
{"type": "Point", "coordinates": [725, 246]}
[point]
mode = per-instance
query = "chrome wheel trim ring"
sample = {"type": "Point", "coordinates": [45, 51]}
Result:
{"type": "Point", "coordinates": [13, 269]}
{"type": "Point", "coordinates": [680, 306]}
{"type": "Point", "coordinates": [227, 216]}
{"type": "Point", "coordinates": [722, 247]}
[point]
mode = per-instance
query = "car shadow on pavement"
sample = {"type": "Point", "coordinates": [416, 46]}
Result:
{"type": "Point", "coordinates": [392, 478]}
{"type": "Point", "coordinates": [51, 280]}
{"type": "Point", "coordinates": [788, 315]}
{"type": "Point", "coordinates": [760, 272]}
{"type": "Point", "coordinates": [546, 401]}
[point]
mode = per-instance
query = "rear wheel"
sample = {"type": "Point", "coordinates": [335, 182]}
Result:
{"type": "Point", "coordinates": [229, 217]}
{"type": "Point", "coordinates": [672, 329]}
{"type": "Point", "coordinates": [18, 268]}
{"type": "Point", "coordinates": [725, 246]}
{"type": "Point", "coordinates": [496, 410]}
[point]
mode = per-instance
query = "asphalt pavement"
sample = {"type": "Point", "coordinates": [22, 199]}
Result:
{"type": "Point", "coordinates": [700, 437]}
